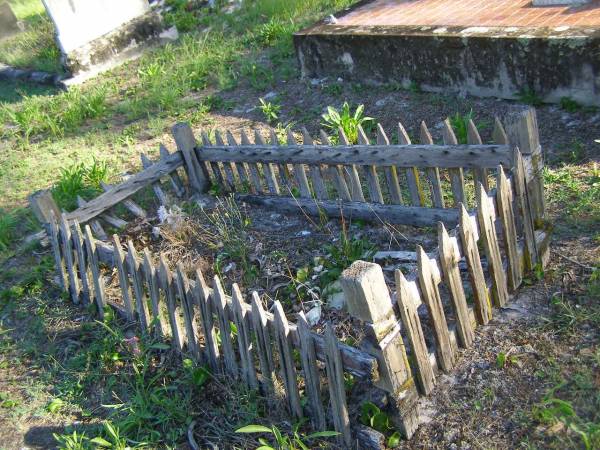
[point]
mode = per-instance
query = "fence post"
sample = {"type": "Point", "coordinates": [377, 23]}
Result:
{"type": "Point", "coordinates": [186, 143]}
{"type": "Point", "coordinates": [369, 300]}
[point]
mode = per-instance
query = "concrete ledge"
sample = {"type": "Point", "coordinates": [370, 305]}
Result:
{"type": "Point", "coordinates": [480, 61]}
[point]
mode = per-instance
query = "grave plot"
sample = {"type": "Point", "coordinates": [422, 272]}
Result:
{"type": "Point", "coordinates": [246, 239]}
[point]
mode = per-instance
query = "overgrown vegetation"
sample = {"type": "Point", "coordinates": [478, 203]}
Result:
{"type": "Point", "coordinates": [79, 180]}
{"type": "Point", "coordinates": [346, 120]}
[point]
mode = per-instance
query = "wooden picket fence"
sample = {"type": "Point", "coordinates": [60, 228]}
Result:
{"type": "Point", "coordinates": [196, 316]}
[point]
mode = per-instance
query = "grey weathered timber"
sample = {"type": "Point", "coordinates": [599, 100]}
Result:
{"type": "Point", "coordinates": [43, 206]}
{"type": "Point", "coordinates": [473, 138]}
{"type": "Point", "coordinates": [82, 263]}
{"type": "Point", "coordinates": [433, 173]}
{"type": "Point", "coordinates": [176, 182]}
{"type": "Point", "coordinates": [244, 341]}
{"type": "Point", "coordinates": [189, 311]}
{"type": "Point", "coordinates": [216, 168]}
{"type": "Point", "coordinates": [126, 189]}
{"type": "Point", "coordinates": [260, 325]}
{"type": "Point", "coordinates": [299, 171]}
{"type": "Point", "coordinates": [504, 200]}
{"type": "Point", "coordinates": [523, 207]}
{"type": "Point", "coordinates": [221, 307]}
{"type": "Point", "coordinates": [185, 141]}
{"type": "Point", "coordinates": [351, 171]}
{"type": "Point", "coordinates": [451, 156]}
{"type": "Point", "coordinates": [230, 169]}
{"type": "Point", "coordinates": [336, 173]}
{"type": "Point", "coordinates": [487, 232]}
{"type": "Point", "coordinates": [92, 256]}
{"type": "Point", "coordinates": [203, 298]}
{"type": "Point", "coordinates": [407, 297]}
{"type": "Point", "coordinates": [120, 263]}
{"type": "Point", "coordinates": [428, 281]}
{"type": "Point", "coordinates": [156, 187]}
{"type": "Point", "coordinates": [310, 371]}
{"type": "Point", "coordinates": [337, 391]}
{"type": "Point", "coordinates": [468, 237]}
{"type": "Point", "coordinates": [240, 166]}
{"type": "Point", "coordinates": [133, 267]}
{"type": "Point", "coordinates": [254, 167]}
{"type": "Point", "coordinates": [391, 174]}
{"type": "Point", "coordinates": [129, 204]}
{"type": "Point", "coordinates": [457, 179]}
{"type": "Point", "coordinates": [398, 214]}
{"type": "Point", "coordinates": [413, 181]}
{"type": "Point", "coordinates": [498, 134]}
{"type": "Point", "coordinates": [153, 291]}
{"type": "Point", "coordinates": [166, 282]}
{"type": "Point", "coordinates": [282, 168]}
{"type": "Point", "coordinates": [108, 218]}
{"type": "Point", "coordinates": [449, 258]}
{"type": "Point", "coordinates": [315, 170]}
{"type": "Point", "coordinates": [370, 171]}
{"type": "Point", "coordinates": [269, 169]}
{"type": "Point", "coordinates": [54, 236]}
{"type": "Point", "coordinates": [67, 250]}
{"type": "Point", "coordinates": [286, 361]}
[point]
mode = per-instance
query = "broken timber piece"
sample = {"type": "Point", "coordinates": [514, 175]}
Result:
{"type": "Point", "coordinates": [129, 204]}
{"type": "Point", "coordinates": [186, 144]}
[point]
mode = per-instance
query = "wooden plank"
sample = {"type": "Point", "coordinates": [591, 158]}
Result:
{"type": "Point", "coordinates": [487, 232]}
{"type": "Point", "coordinates": [370, 171]}
{"type": "Point", "coordinates": [120, 263]}
{"type": "Point", "coordinates": [336, 173]}
{"type": "Point", "coordinates": [126, 189]}
{"type": "Point", "coordinates": [398, 214]}
{"type": "Point", "coordinates": [337, 390]}
{"type": "Point", "coordinates": [408, 298]}
{"type": "Point", "coordinates": [468, 237]}
{"type": "Point", "coordinates": [152, 282]}
{"type": "Point", "coordinates": [254, 167]}
{"type": "Point", "coordinates": [449, 258]}
{"type": "Point", "coordinates": [312, 382]}
{"type": "Point", "coordinates": [92, 255]}
{"type": "Point", "coordinates": [67, 247]}
{"type": "Point", "coordinates": [412, 173]}
{"type": "Point", "coordinates": [221, 307]}
{"type": "Point", "coordinates": [299, 171]}
{"type": "Point", "coordinates": [457, 179]}
{"type": "Point", "coordinates": [43, 206]}
{"type": "Point", "coordinates": [451, 156]}
{"type": "Point", "coordinates": [428, 281]}
{"type": "Point", "coordinates": [498, 134]}
{"type": "Point", "coordinates": [269, 169]}
{"type": "Point", "coordinates": [245, 346]}
{"type": "Point", "coordinates": [282, 167]}
{"type": "Point", "coordinates": [108, 218]}
{"type": "Point", "coordinates": [129, 204]}
{"type": "Point", "coordinates": [473, 138]}
{"type": "Point", "coordinates": [213, 168]}
{"type": "Point", "coordinates": [315, 170]}
{"type": "Point", "coordinates": [173, 176]}
{"type": "Point", "coordinates": [524, 209]}
{"type": "Point", "coordinates": [230, 169]}
{"type": "Point", "coordinates": [351, 171]}
{"type": "Point", "coordinates": [189, 312]}
{"type": "Point", "coordinates": [433, 173]}
{"type": "Point", "coordinates": [133, 267]}
{"type": "Point", "coordinates": [504, 200]}
{"type": "Point", "coordinates": [166, 282]}
{"type": "Point", "coordinates": [286, 361]}
{"type": "Point", "coordinates": [186, 143]}
{"type": "Point", "coordinates": [391, 174]}
{"type": "Point", "coordinates": [156, 187]}
{"type": "Point", "coordinates": [203, 298]}
{"type": "Point", "coordinates": [239, 166]}
{"type": "Point", "coordinates": [59, 262]}
{"type": "Point", "coordinates": [260, 324]}
{"type": "Point", "coordinates": [82, 263]}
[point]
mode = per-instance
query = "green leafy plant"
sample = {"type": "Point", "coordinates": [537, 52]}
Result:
{"type": "Point", "coordinates": [73, 441]}
{"type": "Point", "coordinates": [79, 180]}
{"type": "Point", "coordinates": [346, 120]}
{"type": "Point", "coordinates": [270, 110]}
{"type": "Point", "coordinates": [342, 254]}
{"type": "Point", "coordinates": [274, 31]}
{"type": "Point", "coordinates": [373, 417]}
{"type": "Point", "coordinates": [295, 441]}
{"type": "Point", "coordinates": [569, 105]}
{"type": "Point", "coordinates": [529, 97]}
{"type": "Point", "coordinates": [8, 226]}
{"type": "Point", "coordinates": [460, 124]}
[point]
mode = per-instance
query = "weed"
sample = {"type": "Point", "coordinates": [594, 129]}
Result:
{"type": "Point", "coordinates": [460, 124]}
{"type": "Point", "coordinates": [344, 119]}
{"type": "Point", "coordinates": [79, 180]}
{"type": "Point", "coordinates": [334, 89]}
{"type": "Point", "coordinates": [295, 441]}
{"type": "Point", "coordinates": [373, 417]}
{"type": "Point", "coordinates": [569, 105]}
{"type": "Point", "coordinates": [529, 97]}
{"type": "Point", "coordinates": [8, 226]}
{"type": "Point", "coordinates": [269, 110]}
{"type": "Point", "coordinates": [342, 254]}
{"type": "Point", "coordinates": [273, 32]}
{"type": "Point", "coordinates": [259, 76]}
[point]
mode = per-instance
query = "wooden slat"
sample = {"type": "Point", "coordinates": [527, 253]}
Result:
{"type": "Point", "coordinates": [221, 307]}
{"type": "Point", "coordinates": [120, 264]}
{"type": "Point", "coordinates": [254, 167]}
{"type": "Point", "coordinates": [282, 167]}
{"type": "Point", "coordinates": [498, 134]}
{"type": "Point", "coordinates": [286, 361]}
{"type": "Point", "coordinates": [230, 169]}
{"type": "Point", "coordinates": [336, 173]}
{"type": "Point", "coordinates": [487, 232]}
{"type": "Point", "coordinates": [82, 263]}
{"type": "Point", "coordinates": [351, 171]}
{"type": "Point", "coordinates": [468, 237]}
{"type": "Point", "coordinates": [473, 138]}
{"type": "Point", "coordinates": [128, 203]}
{"type": "Point", "coordinates": [217, 170]}
{"type": "Point", "coordinates": [240, 166]}
{"type": "Point", "coordinates": [407, 298]}
{"type": "Point", "coordinates": [457, 179]}
{"type": "Point", "coordinates": [126, 189]}
{"type": "Point", "coordinates": [524, 210]}
{"type": "Point", "coordinates": [315, 170]}
{"type": "Point", "coordinates": [433, 173]}
{"type": "Point", "coordinates": [299, 171]}
{"type": "Point", "coordinates": [186, 143]}
{"type": "Point", "coordinates": [67, 250]}
{"type": "Point", "coordinates": [312, 382]}
{"type": "Point", "coordinates": [59, 262]}
{"type": "Point", "coordinates": [156, 187]}
{"type": "Point", "coordinates": [152, 282]}
{"type": "Point", "coordinates": [133, 267]}
{"type": "Point", "coordinates": [398, 214]}
{"type": "Point", "coordinates": [245, 346]}
{"type": "Point", "coordinates": [189, 311]}
{"type": "Point", "coordinates": [203, 298]}
{"type": "Point", "coordinates": [412, 173]}
{"type": "Point", "coordinates": [504, 199]}
{"type": "Point", "coordinates": [337, 392]}
{"type": "Point", "coordinates": [428, 280]}
{"type": "Point", "coordinates": [166, 282]}
{"type": "Point", "coordinates": [370, 171]}
{"type": "Point", "coordinates": [391, 174]}
{"type": "Point", "coordinates": [176, 182]}
{"type": "Point", "coordinates": [269, 169]}
{"type": "Point", "coordinates": [260, 324]}
{"type": "Point", "coordinates": [449, 258]}
{"type": "Point", "coordinates": [92, 255]}
{"type": "Point", "coordinates": [108, 218]}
